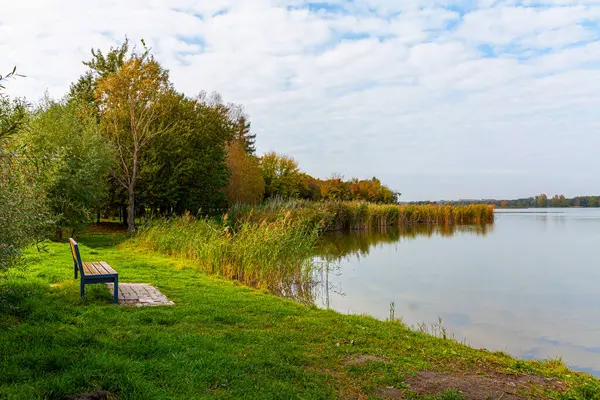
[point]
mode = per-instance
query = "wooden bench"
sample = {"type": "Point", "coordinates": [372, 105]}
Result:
{"type": "Point", "coordinates": [93, 272]}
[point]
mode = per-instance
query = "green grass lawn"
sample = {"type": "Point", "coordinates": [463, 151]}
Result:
{"type": "Point", "coordinates": [220, 340]}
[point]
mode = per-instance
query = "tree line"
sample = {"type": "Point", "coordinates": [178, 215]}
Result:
{"type": "Point", "coordinates": [539, 201]}
{"type": "Point", "coordinates": [123, 142]}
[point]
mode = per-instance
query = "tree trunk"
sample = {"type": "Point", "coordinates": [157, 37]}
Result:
{"type": "Point", "coordinates": [58, 234]}
{"type": "Point", "coordinates": [123, 216]}
{"type": "Point", "coordinates": [131, 210]}
{"type": "Point", "coordinates": [131, 192]}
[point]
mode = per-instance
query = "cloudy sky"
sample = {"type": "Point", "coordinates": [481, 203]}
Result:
{"type": "Point", "coordinates": [439, 98]}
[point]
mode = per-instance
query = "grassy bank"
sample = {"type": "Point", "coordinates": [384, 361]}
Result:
{"type": "Point", "coordinates": [223, 340]}
{"type": "Point", "coordinates": [353, 215]}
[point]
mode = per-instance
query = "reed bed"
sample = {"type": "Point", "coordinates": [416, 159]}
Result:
{"type": "Point", "coordinates": [273, 245]}
{"type": "Point", "coordinates": [354, 215]}
{"type": "Point", "coordinates": [275, 255]}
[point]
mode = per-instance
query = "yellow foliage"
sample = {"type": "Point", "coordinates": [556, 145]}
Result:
{"type": "Point", "coordinates": [246, 184]}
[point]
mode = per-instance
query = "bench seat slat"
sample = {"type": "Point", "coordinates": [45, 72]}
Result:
{"type": "Point", "coordinates": [87, 269]}
{"type": "Point", "coordinates": [98, 268]}
{"type": "Point", "coordinates": [94, 269]}
{"type": "Point", "coordinates": [98, 271]}
{"type": "Point", "coordinates": [108, 268]}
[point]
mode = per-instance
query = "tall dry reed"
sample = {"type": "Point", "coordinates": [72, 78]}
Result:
{"type": "Point", "coordinates": [274, 254]}
{"type": "Point", "coordinates": [352, 215]}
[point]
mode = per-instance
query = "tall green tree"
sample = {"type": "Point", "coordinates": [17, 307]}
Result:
{"type": "Point", "coordinates": [100, 66]}
{"type": "Point", "coordinates": [281, 175]}
{"type": "Point", "coordinates": [185, 169]}
{"type": "Point", "coordinates": [23, 212]}
{"type": "Point", "coordinates": [244, 135]}
{"type": "Point", "coordinates": [66, 138]}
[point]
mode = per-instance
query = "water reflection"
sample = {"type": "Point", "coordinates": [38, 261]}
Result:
{"type": "Point", "coordinates": [338, 244]}
{"type": "Point", "coordinates": [311, 282]}
{"type": "Point", "coordinates": [315, 282]}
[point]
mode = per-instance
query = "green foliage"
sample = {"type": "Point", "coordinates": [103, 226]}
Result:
{"type": "Point", "coordinates": [103, 65]}
{"type": "Point", "coordinates": [281, 175]}
{"type": "Point", "coordinates": [592, 201]}
{"type": "Point", "coordinates": [23, 214]}
{"type": "Point", "coordinates": [244, 136]}
{"type": "Point", "coordinates": [100, 66]}
{"type": "Point", "coordinates": [184, 169]}
{"type": "Point", "coordinates": [12, 118]}
{"type": "Point", "coordinates": [74, 159]}
{"type": "Point", "coordinates": [588, 390]}
{"type": "Point", "coordinates": [23, 210]}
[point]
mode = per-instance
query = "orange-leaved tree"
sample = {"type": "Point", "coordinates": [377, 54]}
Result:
{"type": "Point", "coordinates": [246, 184]}
{"type": "Point", "coordinates": [134, 104]}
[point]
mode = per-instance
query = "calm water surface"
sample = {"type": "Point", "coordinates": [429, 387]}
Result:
{"type": "Point", "coordinates": [528, 285]}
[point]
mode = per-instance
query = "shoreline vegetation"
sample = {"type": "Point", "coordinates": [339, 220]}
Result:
{"type": "Point", "coordinates": [272, 245]}
{"type": "Point", "coordinates": [540, 201]}
{"type": "Point", "coordinates": [360, 215]}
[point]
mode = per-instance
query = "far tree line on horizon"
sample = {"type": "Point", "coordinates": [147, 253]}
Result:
{"type": "Point", "coordinates": [123, 142]}
{"type": "Point", "coordinates": [540, 201]}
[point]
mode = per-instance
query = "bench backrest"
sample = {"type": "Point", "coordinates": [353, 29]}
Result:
{"type": "Point", "coordinates": [77, 264]}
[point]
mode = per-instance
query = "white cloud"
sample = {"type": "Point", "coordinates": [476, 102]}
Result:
{"type": "Point", "coordinates": [441, 99]}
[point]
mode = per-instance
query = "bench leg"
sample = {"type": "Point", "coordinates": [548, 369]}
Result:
{"type": "Point", "coordinates": [116, 291]}
{"type": "Point", "coordinates": [82, 288]}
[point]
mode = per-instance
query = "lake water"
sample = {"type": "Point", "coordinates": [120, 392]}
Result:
{"type": "Point", "coordinates": [528, 285]}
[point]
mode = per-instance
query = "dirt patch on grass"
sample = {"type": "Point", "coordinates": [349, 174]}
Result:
{"type": "Point", "coordinates": [391, 393]}
{"type": "Point", "coordinates": [480, 387]}
{"type": "Point", "coordinates": [95, 395]}
{"type": "Point", "coordinates": [363, 358]}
